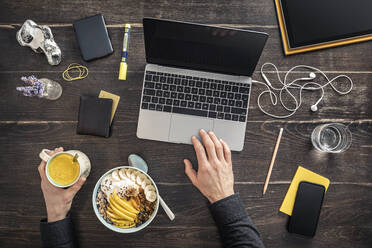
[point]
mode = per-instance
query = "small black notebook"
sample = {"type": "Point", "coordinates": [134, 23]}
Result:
{"type": "Point", "coordinates": [92, 36]}
{"type": "Point", "coordinates": [94, 116]}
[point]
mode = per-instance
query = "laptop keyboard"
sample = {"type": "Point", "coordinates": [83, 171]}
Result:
{"type": "Point", "coordinates": [195, 96]}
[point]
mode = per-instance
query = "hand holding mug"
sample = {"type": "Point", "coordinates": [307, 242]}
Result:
{"type": "Point", "coordinates": [215, 178]}
{"type": "Point", "coordinates": [57, 200]}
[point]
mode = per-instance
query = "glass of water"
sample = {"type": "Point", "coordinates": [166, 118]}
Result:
{"type": "Point", "coordinates": [333, 138]}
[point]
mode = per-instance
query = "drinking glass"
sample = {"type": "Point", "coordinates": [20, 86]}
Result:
{"type": "Point", "coordinates": [332, 138]}
{"type": "Point", "coordinates": [53, 90]}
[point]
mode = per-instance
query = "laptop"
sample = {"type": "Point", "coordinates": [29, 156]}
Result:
{"type": "Point", "coordinates": [197, 77]}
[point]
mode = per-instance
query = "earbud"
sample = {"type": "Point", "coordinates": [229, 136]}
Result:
{"type": "Point", "coordinates": [314, 108]}
{"type": "Point", "coordinates": [311, 76]}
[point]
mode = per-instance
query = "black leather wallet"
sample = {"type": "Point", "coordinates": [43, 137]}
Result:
{"type": "Point", "coordinates": [93, 38]}
{"type": "Point", "coordinates": [94, 116]}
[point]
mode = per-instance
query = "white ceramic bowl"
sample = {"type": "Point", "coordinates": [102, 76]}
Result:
{"type": "Point", "coordinates": [114, 228]}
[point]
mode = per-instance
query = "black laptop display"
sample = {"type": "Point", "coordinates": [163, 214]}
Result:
{"type": "Point", "coordinates": [201, 47]}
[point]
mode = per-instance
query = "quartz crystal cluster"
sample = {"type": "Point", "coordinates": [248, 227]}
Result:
{"type": "Point", "coordinates": [40, 39]}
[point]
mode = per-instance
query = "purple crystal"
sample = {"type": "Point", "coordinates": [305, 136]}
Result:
{"type": "Point", "coordinates": [36, 89]}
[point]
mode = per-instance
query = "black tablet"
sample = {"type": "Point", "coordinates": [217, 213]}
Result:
{"type": "Point", "coordinates": [311, 22]}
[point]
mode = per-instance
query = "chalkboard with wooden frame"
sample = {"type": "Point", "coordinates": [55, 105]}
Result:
{"type": "Point", "coordinates": [312, 25]}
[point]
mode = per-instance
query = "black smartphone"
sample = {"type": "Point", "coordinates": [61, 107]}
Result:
{"type": "Point", "coordinates": [306, 210]}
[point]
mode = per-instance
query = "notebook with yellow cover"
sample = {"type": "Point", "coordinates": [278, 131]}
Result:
{"type": "Point", "coordinates": [302, 174]}
{"type": "Point", "coordinates": [307, 25]}
{"type": "Point", "coordinates": [115, 101]}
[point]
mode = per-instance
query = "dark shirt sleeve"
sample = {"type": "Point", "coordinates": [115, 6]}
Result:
{"type": "Point", "coordinates": [58, 234]}
{"type": "Point", "coordinates": [235, 227]}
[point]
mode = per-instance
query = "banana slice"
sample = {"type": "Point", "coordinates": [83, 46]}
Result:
{"type": "Point", "coordinates": [129, 172]}
{"type": "Point", "coordinates": [123, 174]}
{"type": "Point", "coordinates": [148, 189]}
{"type": "Point", "coordinates": [145, 183]}
{"type": "Point", "coordinates": [151, 196]}
{"type": "Point", "coordinates": [140, 178]}
{"type": "Point", "coordinates": [115, 176]}
{"type": "Point", "coordinates": [133, 176]}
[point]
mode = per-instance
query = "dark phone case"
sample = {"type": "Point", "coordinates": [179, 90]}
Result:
{"type": "Point", "coordinates": [93, 38]}
{"type": "Point", "coordinates": [306, 210]}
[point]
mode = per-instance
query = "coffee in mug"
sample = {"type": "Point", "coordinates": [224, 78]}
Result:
{"type": "Point", "coordinates": [61, 169]}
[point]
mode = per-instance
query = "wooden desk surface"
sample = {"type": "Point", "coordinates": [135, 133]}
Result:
{"type": "Point", "coordinates": [29, 124]}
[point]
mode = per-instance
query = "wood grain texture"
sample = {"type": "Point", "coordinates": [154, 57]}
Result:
{"type": "Point", "coordinates": [327, 60]}
{"type": "Point", "coordinates": [28, 124]}
{"type": "Point", "coordinates": [338, 221]}
{"type": "Point", "coordinates": [13, 106]}
{"type": "Point", "coordinates": [215, 11]}
{"type": "Point", "coordinates": [165, 159]}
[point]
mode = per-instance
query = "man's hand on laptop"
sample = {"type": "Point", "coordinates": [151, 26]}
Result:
{"type": "Point", "coordinates": [214, 178]}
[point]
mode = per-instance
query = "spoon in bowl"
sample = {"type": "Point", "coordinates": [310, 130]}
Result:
{"type": "Point", "coordinates": [138, 162]}
{"type": "Point", "coordinates": [74, 159]}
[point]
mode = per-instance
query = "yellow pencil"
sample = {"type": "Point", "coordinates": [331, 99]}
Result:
{"type": "Point", "coordinates": [272, 161]}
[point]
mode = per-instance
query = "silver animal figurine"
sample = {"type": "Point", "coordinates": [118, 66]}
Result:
{"type": "Point", "coordinates": [40, 39]}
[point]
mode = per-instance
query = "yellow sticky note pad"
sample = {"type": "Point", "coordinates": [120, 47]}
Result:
{"type": "Point", "coordinates": [302, 174]}
{"type": "Point", "coordinates": [115, 101]}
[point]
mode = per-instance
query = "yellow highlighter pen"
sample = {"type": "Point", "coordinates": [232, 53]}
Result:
{"type": "Point", "coordinates": [124, 55]}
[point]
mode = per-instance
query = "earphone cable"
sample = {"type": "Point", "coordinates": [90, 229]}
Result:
{"type": "Point", "coordinates": [311, 86]}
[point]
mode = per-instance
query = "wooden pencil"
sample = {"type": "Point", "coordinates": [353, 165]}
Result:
{"type": "Point", "coordinates": [272, 161]}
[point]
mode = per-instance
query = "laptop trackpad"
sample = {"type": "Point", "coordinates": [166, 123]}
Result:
{"type": "Point", "coordinates": [183, 127]}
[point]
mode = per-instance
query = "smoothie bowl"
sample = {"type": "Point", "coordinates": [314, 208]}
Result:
{"type": "Point", "coordinates": [125, 199]}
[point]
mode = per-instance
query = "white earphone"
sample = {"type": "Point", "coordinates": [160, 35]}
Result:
{"type": "Point", "coordinates": [293, 85]}
{"type": "Point", "coordinates": [311, 76]}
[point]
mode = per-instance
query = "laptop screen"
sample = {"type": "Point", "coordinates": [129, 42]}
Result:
{"type": "Point", "coordinates": [202, 47]}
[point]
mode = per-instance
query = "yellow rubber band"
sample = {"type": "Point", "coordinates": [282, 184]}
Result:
{"type": "Point", "coordinates": [83, 72]}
